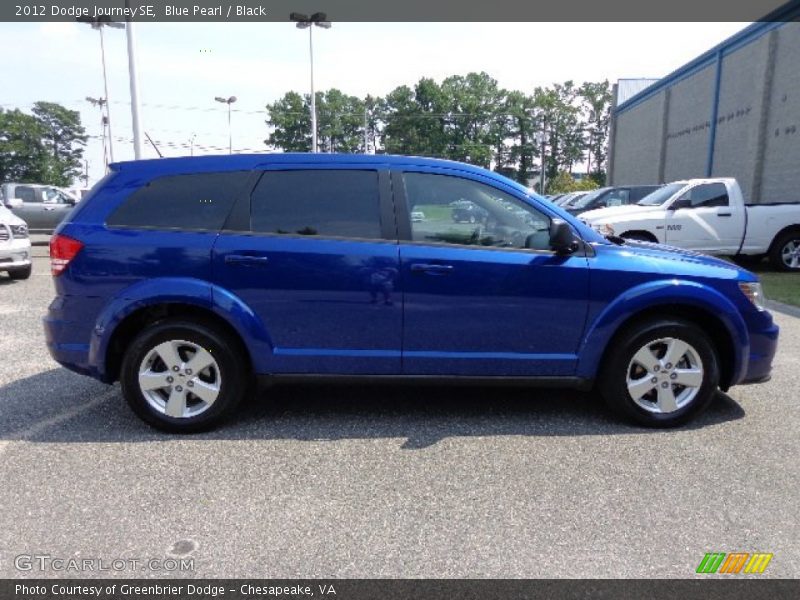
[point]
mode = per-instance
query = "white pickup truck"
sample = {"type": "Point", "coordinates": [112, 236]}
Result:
{"type": "Point", "coordinates": [710, 216]}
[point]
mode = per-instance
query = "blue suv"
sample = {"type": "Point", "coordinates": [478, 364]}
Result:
{"type": "Point", "coordinates": [191, 279]}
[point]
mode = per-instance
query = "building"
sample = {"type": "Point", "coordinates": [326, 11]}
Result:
{"type": "Point", "coordinates": [731, 112]}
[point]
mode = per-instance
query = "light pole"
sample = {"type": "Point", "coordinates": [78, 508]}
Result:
{"type": "Point", "coordinates": [542, 135]}
{"type": "Point", "coordinates": [98, 24]}
{"type": "Point", "coordinates": [100, 103]}
{"type": "Point", "coordinates": [191, 144]}
{"type": "Point", "coordinates": [318, 19]}
{"type": "Point", "coordinates": [228, 101]}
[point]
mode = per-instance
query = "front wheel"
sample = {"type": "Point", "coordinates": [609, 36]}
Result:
{"type": "Point", "coordinates": [183, 377]}
{"type": "Point", "coordinates": [785, 252]}
{"type": "Point", "coordinates": [660, 373]}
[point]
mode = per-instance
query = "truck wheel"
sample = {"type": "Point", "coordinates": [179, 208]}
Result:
{"type": "Point", "coordinates": [784, 255]}
{"type": "Point", "coordinates": [639, 236]}
{"type": "Point", "coordinates": [660, 373]}
{"type": "Point", "coordinates": [183, 377]}
{"type": "Point", "coordinates": [23, 273]}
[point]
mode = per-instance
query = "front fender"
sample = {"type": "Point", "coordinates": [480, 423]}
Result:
{"type": "Point", "coordinates": [662, 293]}
{"type": "Point", "coordinates": [178, 290]}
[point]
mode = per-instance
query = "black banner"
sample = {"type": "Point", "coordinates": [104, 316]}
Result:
{"type": "Point", "coordinates": [390, 589]}
{"type": "Point", "coordinates": [399, 10]}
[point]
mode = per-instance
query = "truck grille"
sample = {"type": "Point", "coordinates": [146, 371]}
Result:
{"type": "Point", "coordinates": [5, 234]}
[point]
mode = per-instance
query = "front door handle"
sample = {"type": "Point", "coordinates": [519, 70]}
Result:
{"type": "Point", "coordinates": [246, 260]}
{"type": "Point", "coordinates": [432, 269]}
{"type": "Point", "coordinates": [49, 207]}
{"type": "Point", "coordinates": [724, 214]}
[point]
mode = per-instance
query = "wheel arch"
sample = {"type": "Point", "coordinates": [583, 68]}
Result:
{"type": "Point", "coordinates": [711, 312]}
{"type": "Point", "coordinates": [642, 232]}
{"type": "Point", "coordinates": [150, 302]}
{"type": "Point", "coordinates": [793, 228]}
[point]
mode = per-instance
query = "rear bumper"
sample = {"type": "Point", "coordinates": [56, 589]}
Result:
{"type": "Point", "coordinates": [68, 339]}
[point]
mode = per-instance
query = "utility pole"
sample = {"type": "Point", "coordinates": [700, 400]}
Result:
{"type": "Point", "coordinates": [133, 75]}
{"type": "Point", "coordinates": [366, 132]}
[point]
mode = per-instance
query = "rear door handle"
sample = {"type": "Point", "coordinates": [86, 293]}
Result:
{"type": "Point", "coordinates": [432, 269]}
{"type": "Point", "coordinates": [246, 260]}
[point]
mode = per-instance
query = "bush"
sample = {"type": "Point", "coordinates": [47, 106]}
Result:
{"type": "Point", "coordinates": [563, 183]}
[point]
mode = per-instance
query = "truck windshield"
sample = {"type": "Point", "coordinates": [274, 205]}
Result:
{"type": "Point", "coordinates": [661, 195]}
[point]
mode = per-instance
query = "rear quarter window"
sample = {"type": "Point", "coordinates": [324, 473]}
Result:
{"type": "Point", "coordinates": [199, 201]}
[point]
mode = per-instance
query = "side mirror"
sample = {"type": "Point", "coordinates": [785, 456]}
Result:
{"type": "Point", "coordinates": [562, 240]}
{"type": "Point", "coordinates": [14, 202]}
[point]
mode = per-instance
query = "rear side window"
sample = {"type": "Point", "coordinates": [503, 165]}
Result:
{"type": "Point", "coordinates": [199, 201]}
{"type": "Point", "coordinates": [336, 203]}
{"type": "Point", "coordinates": [26, 194]}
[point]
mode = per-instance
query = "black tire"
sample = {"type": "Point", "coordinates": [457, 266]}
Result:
{"type": "Point", "coordinates": [619, 362]}
{"type": "Point", "coordinates": [777, 249]}
{"type": "Point", "coordinates": [23, 273]}
{"type": "Point", "coordinates": [639, 237]}
{"type": "Point", "coordinates": [233, 376]}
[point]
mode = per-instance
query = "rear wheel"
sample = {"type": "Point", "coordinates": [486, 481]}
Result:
{"type": "Point", "coordinates": [660, 373]}
{"type": "Point", "coordinates": [183, 377]}
{"type": "Point", "coordinates": [22, 273]}
{"type": "Point", "coordinates": [785, 252]}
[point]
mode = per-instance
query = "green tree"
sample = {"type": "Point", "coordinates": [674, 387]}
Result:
{"type": "Point", "coordinates": [290, 120]}
{"type": "Point", "coordinates": [340, 122]}
{"type": "Point", "coordinates": [596, 108]}
{"type": "Point", "coordinates": [564, 183]}
{"type": "Point", "coordinates": [45, 147]}
{"type": "Point", "coordinates": [515, 154]}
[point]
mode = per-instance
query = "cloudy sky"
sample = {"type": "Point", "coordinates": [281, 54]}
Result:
{"type": "Point", "coordinates": [182, 67]}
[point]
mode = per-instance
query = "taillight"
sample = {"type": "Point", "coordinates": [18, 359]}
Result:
{"type": "Point", "coordinates": [62, 250]}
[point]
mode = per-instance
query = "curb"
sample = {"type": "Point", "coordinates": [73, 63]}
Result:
{"type": "Point", "coordinates": [786, 309]}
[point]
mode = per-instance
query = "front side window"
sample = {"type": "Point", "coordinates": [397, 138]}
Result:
{"type": "Point", "coordinates": [706, 195]}
{"type": "Point", "coordinates": [199, 201]}
{"type": "Point", "coordinates": [446, 209]}
{"type": "Point", "coordinates": [325, 202]}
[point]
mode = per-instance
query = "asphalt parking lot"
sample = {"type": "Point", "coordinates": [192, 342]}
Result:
{"type": "Point", "coordinates": [388, 482]}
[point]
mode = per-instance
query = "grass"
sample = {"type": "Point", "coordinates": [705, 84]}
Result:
{"type": "Point", "coordinates": [783, 287]}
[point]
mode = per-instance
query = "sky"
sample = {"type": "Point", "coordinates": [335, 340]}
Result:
{"type": "Point", "coordinates": [183, 66]}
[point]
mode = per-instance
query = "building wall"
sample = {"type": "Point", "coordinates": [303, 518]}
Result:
{"type": "Point", "coordinates": [666, 136]}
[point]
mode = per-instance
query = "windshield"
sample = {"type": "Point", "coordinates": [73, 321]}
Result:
{"type": "Point", "coordinates": [586, 200]}
{"type": "Point", "coordinates": [661, 195]}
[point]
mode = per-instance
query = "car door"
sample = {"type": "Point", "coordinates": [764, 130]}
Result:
{"type": "Point", "coordinates": [314, 255]}
{"type": "Point", "coordinates": [31, 209]}
{"type": "Point", "coordinates": [55, 206]}
{"type": "Point", "coordinates": [490, 298]}
{"type": "Point", "coordinates": [702, 219]}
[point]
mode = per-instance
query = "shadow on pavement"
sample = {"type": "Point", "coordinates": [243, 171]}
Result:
{"type": "Point", "coordinates": [59, 406]}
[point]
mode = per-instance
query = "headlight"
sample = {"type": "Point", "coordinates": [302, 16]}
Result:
{"type": "Point", "coordinates": [19, 231]}
{"type": "Point", "coordinates": [754, 293]}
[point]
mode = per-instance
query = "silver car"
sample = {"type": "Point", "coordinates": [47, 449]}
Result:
{"type": "Point", "coordinates": [42, 207]}
{"type": "Point", "coordinates": [15, 246]}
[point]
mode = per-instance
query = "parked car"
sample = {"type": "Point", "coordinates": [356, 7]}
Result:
{"type": "Point", "coordinates": [709, 215]}
{"type": "Point", "coordinates": [187, 279]}
{"type": "Point", "coordinates": [42, 207]}
{"type": "Point", "coordinates": [610, 196]}
{"type": "Point", "coordinates": [15, 246]}
{"type": "Point", "coordinates": [417, 216]}
{"type": "Point", "coordinates": [465, 211]}
{"type": "Point", "coordinates": [567, 199]}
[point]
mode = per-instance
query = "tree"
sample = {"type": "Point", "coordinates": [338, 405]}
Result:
{"type": "Point", "coordinates": [340, 122]}
{"type": "Point", "coordinates": [290, 118]}
{"type": "Point", "coordinates": [45, 147]}
{"type": "Point", "coordinates": [596, 108]}
{"type": "Point", "coordinates": [564, 182]}
{"type": "Point", "coordinates": [518, 147]}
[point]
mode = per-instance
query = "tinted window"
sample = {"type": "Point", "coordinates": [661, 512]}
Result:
{"type": "Point", "coordinates": [461, 211]}
{"type": "Point", "coordinates": [712, 194]}
{"type": "Point", "coordinates": [340, 203]}
{"type": "Point", "coordinates": [199, 201]}
{"type": "Point", "coordinates": [26, 194]}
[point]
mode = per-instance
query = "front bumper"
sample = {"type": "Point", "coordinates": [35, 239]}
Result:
{"type": "Point", "coordinates": [763, 345]}
{"type": "Point", "coordinates": [15, 253]}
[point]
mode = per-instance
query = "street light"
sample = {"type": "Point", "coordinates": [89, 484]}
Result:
{"type": "Point", "coordinates": [98, 24]}
{"type": "Point", "coordinates": [318, 19]}
{"type": "Point", "coordinates": [228, 101]}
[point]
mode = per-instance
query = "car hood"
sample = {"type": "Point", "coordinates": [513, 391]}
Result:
{"type": "Point", "coordinates": [9, 218]}
{"type": "Point", "coordinates": [617, 212]}
{"type": "Point", "coordinates": [665, 258]}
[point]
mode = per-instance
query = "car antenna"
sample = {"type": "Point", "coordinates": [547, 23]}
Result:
{"type": "Point", "coordinates": [149, 139]}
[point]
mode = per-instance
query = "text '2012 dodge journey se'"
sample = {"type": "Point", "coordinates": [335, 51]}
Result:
{"type": "Point", "coordinates": [189, 279]}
